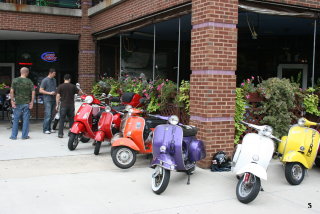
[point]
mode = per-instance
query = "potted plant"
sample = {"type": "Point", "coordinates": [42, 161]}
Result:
{"type": "Point", "coordinates": [250, 91]}
{"type": "Point", "coordinates": [278, 103]}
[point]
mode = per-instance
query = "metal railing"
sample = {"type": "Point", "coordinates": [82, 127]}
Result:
{"type": "Point", "coordinates": [74, 4]}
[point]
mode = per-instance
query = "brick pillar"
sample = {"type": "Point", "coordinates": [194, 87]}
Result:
{"type": "Point", "coordinates": [213, 80]}
{"type": "Point", "coordinates": [87, 66]}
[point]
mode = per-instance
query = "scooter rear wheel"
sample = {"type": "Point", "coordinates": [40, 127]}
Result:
{"type": "Point", "coordinates": [248, 192]}
{"type": "Point", "coordinates": [73, 141]}
{"type": "Point", "coordinates": [294, 173]}
{"type": "Point", "coordinates": [97, 147]}
{"type": "Point", "coordinates": [123, 157]}
{"type": "Point", "coordinates": [160, 180]}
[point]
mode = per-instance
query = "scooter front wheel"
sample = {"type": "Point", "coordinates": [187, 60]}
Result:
{"type": "Point", "coordinates": [160, 180]}
{"type": "Point", "coordinates": [97, 147]}
{"type": "Point", "coordinates": [294, 173]}
{"type": "Point", "coordinates": [123, 157]}
{"type": "Point", "coordinates": [248, 188]}
{"type": "Point", "coordinates": [73, 141]}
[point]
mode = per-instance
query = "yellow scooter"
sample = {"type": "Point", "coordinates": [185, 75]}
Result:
{"type": "Point", "coordinates": [298, 150]}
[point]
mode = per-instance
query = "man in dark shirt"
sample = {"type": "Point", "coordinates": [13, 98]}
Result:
{"type": "Point", "coordinates": [65, 95]}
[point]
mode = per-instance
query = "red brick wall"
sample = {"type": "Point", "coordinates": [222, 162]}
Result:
{"type": "Point", "coordinates": [87, 67]}
{"type": "Point", "coordinates": [130, 10]}
{"type": "Point", "coordinates": [213, 80]}
{"type": "Point", "coordinates": [39, 22]}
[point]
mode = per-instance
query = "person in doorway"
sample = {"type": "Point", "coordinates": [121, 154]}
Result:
{"type": "Point", "coordinates": [48, 89]}
{"type": "Point", "coordinates": [65, 95]}
{"type": "Point", "coordinates": [22, 96]}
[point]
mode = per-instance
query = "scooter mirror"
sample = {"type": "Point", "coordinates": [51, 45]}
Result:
{"type": "Point", "coordinates": [78, 85]}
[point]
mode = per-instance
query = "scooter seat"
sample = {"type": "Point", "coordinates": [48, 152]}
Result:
{"type": "Point", "coordinates": [189, 131]}
{"type": "Point", "coordinates": [152, 122]}
{"type": "Point", "coordinates": [119, 108]}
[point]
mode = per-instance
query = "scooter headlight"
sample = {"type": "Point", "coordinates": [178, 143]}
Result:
{"type": "Point", "coordinates": [163, 149]}
{"type": "Point", "coordinates": [301, 122]}
{"type": "Point", "coordinates": [89, 99]}
{"type": "Point", "coordinates": [173, 120]}
{"type": "Point", "coordinates": [267, 131]}
{"type": "Point", "coordinates": [128, 107]}
{"type": "Point", "coordinates": [108, 109]}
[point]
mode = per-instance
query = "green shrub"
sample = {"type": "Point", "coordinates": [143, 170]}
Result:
{"type": "Point", "coordinates": [240, 110]}
{"type": "Point", "coordinates": [278, 104]}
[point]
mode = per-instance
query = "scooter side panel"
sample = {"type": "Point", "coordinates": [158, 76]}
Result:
{"type": "Point", "coordinates": [84, 115]}
{"type": "Point", "coordinates": [306, 138]}
{"type": "Point", "coordinates": [294, 156]}
{"type": "Point", "coordinates": [166, 135]}
{"type": "Point", "coordinates": [125, 142]}
{"type": "Point", "coordinates": [196, 150]}
{"type": "Point", "coordinates": [164, 160]}
{"type": "Point", "coordinates": [255, 169]}
{"type": "Point", "coordinates": [254, 146]}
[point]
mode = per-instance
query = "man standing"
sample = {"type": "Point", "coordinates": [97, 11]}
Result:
{"type": "Point", "coordinates": [48, 89]}
{"type": "Point", "coordinates": [22, 96]}
{"type": "Point", "coordinates": [65, 95]}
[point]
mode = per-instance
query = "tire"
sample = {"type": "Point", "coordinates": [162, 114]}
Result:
{"type": "Point", "coordinates": [55, 123]}
{"type": "Point", "coordinates": [317, 162]}
{"type": "Point", "coordinates": [97, 148]}
{"type": "Point", "coordinates": [123, 157]}
{"type": "Point", "coordinates": [246, 196]}
{"type": "Point", "coordinates": [84, 139]}
{"type": "Point", "coordinates": [73, 141]}
{"type": "Point", "coordinates": [159, 183]}
{"type": "Point", "coordinates": [294, 173]}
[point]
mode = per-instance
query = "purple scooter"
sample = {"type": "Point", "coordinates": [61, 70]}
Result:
{"type": "Point", "coordinates": [175, 147]}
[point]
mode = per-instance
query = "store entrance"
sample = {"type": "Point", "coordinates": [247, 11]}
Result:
{"type": "Point", "coordinates": [6, 73]}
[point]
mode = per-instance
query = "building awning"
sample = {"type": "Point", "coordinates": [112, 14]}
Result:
{"type": "Point", "coordinates": [278, 9]}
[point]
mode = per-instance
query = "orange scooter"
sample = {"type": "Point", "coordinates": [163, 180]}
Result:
{"type": "Point", "coordinates": [135, 137]}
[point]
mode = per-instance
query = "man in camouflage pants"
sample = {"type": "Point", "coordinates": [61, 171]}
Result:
{"type": "Point", "coordinates": [22, 95]}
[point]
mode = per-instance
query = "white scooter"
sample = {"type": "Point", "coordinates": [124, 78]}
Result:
{"type": "Point", "coordinates": [251, 160]}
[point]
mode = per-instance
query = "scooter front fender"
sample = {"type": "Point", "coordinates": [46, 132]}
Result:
{"type": "Point", "coordinates": [294, 156]}
{"type": "Point", "coordinates": [100, 135]}
{"type": "Point", "coordinates": [78, 127]}
{"type": "Point", "coordinates": [255, 169]}
{"type": "Point", "coordinates": [125, 142]}
{"type": "Point", "coordinates": [164, 160]}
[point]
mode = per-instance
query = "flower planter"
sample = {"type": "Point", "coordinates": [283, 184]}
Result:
{"type": "Point", "coordinates": [254, 97]}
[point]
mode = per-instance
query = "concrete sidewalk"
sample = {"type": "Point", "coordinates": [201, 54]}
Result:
{"type": "Point", "coordinates": [41, 175]}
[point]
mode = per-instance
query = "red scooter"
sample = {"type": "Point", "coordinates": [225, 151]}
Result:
{"type": "Point", "coordinates": [106, 127]}
{"type": "Point", "coordinates": [84, 121]}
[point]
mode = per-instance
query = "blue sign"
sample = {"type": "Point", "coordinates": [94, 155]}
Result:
{"type": "Point", "coordinates": [49, 56]}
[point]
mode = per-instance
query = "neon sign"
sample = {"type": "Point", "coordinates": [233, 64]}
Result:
{"type": "Point", "coordinates": [49, 56]}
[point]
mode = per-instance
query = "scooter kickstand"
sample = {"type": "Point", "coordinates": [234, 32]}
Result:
{"type": "Point", "coordinates": [188, 182]}
{"type": "Point", "coordinates": [261, 189]}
